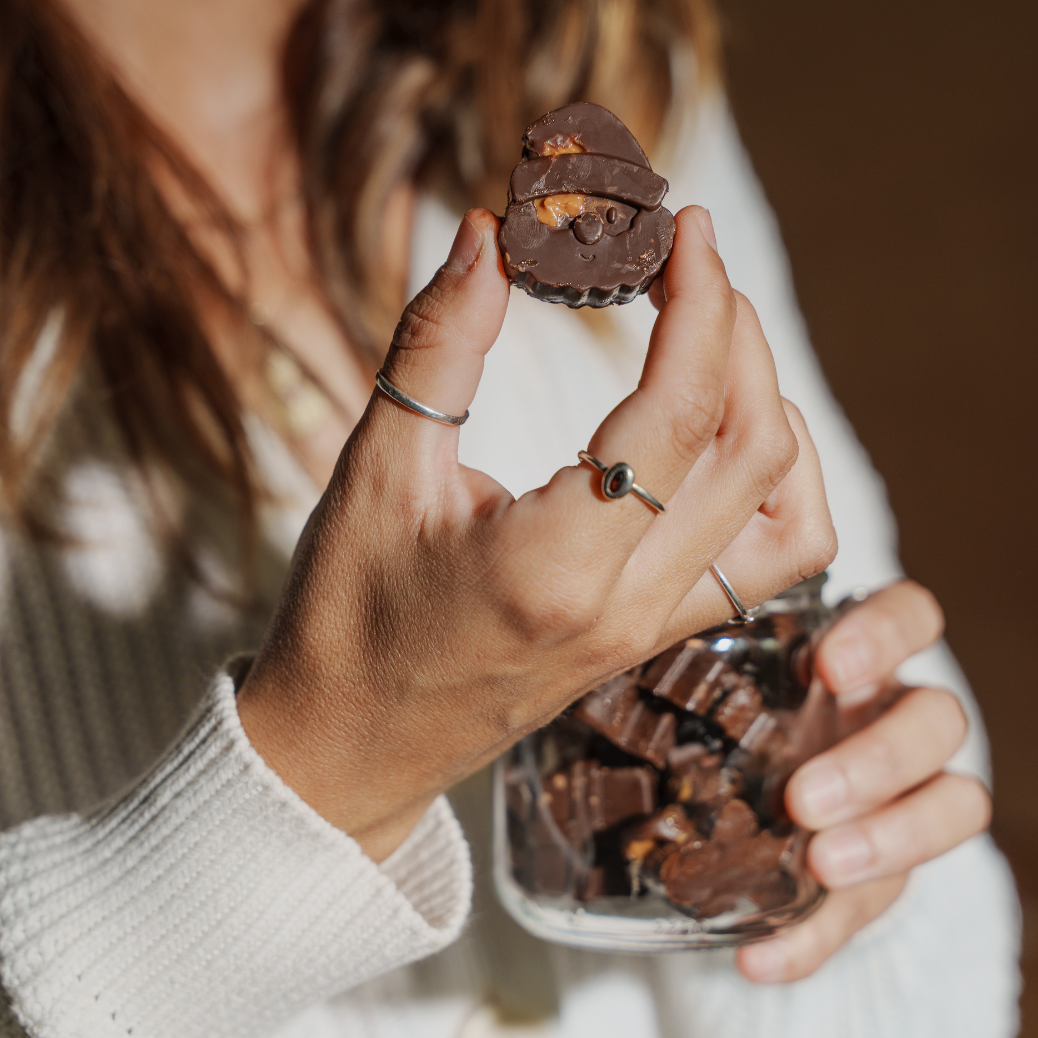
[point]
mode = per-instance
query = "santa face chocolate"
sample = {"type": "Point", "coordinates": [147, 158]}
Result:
{"type": "Point", "coordinates": [584, 224]}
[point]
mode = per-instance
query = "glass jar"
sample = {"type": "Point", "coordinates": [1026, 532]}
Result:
{"type": "Point", "coordinates": [650, 815]}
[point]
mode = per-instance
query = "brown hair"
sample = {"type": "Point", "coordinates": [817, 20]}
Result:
{"type": "Point", "coordinates": [425, 89]}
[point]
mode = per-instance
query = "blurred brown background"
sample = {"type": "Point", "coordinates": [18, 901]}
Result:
{"type": "Point", "coordinates": [898, 144]}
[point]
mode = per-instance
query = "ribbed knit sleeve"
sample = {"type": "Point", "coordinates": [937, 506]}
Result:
{"type": "Point", "coordinates": [210, 900]}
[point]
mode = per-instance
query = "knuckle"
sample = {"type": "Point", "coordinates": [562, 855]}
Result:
{"type": "Point", "coordinates": [744, 309]}
{"type": "Point", "coordinates": [974, 803]}
{"type": "Point", "coordinates": [927, 608]}
{"type": "Point", "coordinates": [793, 413]}
{"type": "Point", "coordinates": [623, 642]}
{"type": "Point", "coordinates": [885, 757]}
{"type": "Point", "coordinates": [774, 451]}
{"type": "Point", "coordinates": [719, 301]}
{"type": "Point", "coordinates": [816, 546]}
{"type": "Point", "coordinates": [906, 841]}
{"type": "Point", "coordinates": [424, 320]}
{"type": "Point", "coordinates": [636, 642]}
{"type": "Point", "coordinates": [881, 623]}
{"type": "Point", "coordinates": [944, 714]}
{"type": "Point", "coordinates": [696, 411]}
{"type": "Point", "coordinates": [888, 627]}
{"type": "Point", "coordinates": [813, 947]}
{"type": "Point", "coordinates": [793, 421]}
{"type": "Point", "coordinates": [543, 614]}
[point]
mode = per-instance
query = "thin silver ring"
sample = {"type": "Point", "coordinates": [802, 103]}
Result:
{"type": "Point", "coordinates": [411, 404]}
{"type": "Point", "coordinates": [745, 615]}
{"type": "Point", "coordinates": [618, 481]}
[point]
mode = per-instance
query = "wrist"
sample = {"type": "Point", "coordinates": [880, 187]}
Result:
{"type": "Point", "coordinates": [361, 805]}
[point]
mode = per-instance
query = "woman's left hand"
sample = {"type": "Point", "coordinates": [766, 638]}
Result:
{"type": "Point", "coordinates": [881, 800]}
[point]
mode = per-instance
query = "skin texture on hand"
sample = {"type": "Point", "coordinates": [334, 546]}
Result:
{"type": "Point", "coordinates": [880, 799]}
{"type": "Point", "coordinates": [430, 620]}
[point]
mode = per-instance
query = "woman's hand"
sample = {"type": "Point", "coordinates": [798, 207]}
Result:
{"type": "Point", "coordinates": [880, 799]}
{"type": "Point", "coordinates": [430, 620]}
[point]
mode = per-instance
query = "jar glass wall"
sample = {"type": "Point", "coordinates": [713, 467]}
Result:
{"type": "Point", "coordinates": [651, 815]}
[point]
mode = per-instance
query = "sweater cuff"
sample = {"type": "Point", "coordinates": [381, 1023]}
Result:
{"type": "Point", "coordinates": [210, 899]}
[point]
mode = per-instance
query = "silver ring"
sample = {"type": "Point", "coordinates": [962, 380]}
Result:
{"type": "Point", "coordinates": [745, 615]}
{"type": "Point", "coordinates": [411, 404]}
{"type": "Point", "coordinates": [618, 481]}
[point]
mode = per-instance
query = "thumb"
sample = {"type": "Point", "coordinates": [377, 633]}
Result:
{"type": "Point", "coordinates": [446, 330]}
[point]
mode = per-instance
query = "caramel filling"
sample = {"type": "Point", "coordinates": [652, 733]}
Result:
{"type": "Point", "coordinates": [558, 210]}
{"type": "Point", "coordinates": [638, 849]}
{"type": "Point", "coordinates": [560, 145]}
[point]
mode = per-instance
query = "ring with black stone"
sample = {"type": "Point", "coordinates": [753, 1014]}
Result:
{"type": "Point", "coordinates": [618, 481]}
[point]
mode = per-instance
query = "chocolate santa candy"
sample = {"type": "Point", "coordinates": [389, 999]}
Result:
{"type": "Point", "coordinates": [584, 224]}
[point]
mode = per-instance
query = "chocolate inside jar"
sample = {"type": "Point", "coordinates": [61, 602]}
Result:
{"type": "Point", "coordinates": [665, 785]}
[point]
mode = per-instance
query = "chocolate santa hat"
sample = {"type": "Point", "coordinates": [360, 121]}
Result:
{"type": "Point", "coordinates": [584, 149]}
{"type": "Point", "coordinates": [591, 127]}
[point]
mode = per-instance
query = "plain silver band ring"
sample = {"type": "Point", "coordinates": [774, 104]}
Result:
{"type": "Point", "coordinates": [411, 404]}
{"type": "Point", "coordinates": [745, 615]}
{"type": "Point", "coordinates": [625, 474]}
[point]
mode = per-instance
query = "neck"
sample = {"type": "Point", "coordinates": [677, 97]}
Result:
{"type": "Point", "coordinates": [208, 72]}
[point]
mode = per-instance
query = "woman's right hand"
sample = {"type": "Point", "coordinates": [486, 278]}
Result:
{"type": "Point", "coordinates": [429, 620]}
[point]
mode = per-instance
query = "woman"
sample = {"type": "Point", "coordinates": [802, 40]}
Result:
{"type": "Point", "coordinates": [169, 172]}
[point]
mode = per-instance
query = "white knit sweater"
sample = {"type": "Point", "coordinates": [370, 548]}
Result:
{"type": "Point", "coordinates": [189, 892]}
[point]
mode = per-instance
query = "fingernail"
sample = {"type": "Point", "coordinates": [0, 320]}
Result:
{"type": "Point", "coordinates": [851, 663]}
{"type": "Point", "coordinates": [768, 962]}
{"type": "Point", "coordinates": [823, 790]}
{"type": "Point", "coordinates": [843, 853]}
{"type": "Point", "coordinates": [468, 243]}
{"type": "Point", "coordinates": [706, 225]}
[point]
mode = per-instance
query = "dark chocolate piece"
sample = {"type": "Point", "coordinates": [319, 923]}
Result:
{"type": "Point", "coordinates": [697, 778]}
{"type": "Point", "coordinates": [695, 729]}
{"type": "Point", "coordinates": [669, 825]}
{"type": "Point", "coordinates": [735, 821]}
{"type": "Point", "coordinates": [648, 845]}
{"type": "Point", "coordinates": [657, 676]}
{"type": "Point", "coordinates": [546, 859]}
{"type": "Point", "coordinates": [565, 796]}
{"type": "Point", "coordinates": [708, 877]}
{"type": "Point", "coordinates": [739, 709]}
{"type": "Point", "coordinates": [618, 794]}
{"type": "Point", "coordinates": [552, 838]}
{"type": "Point", "coordinates": [584, 224]}
{"type": "Point", "coordinates": [587, 798]}
{"type": "Point", "coordinates": [618, 712]}
{"type": "Point", "coordinates": [693, 679]}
